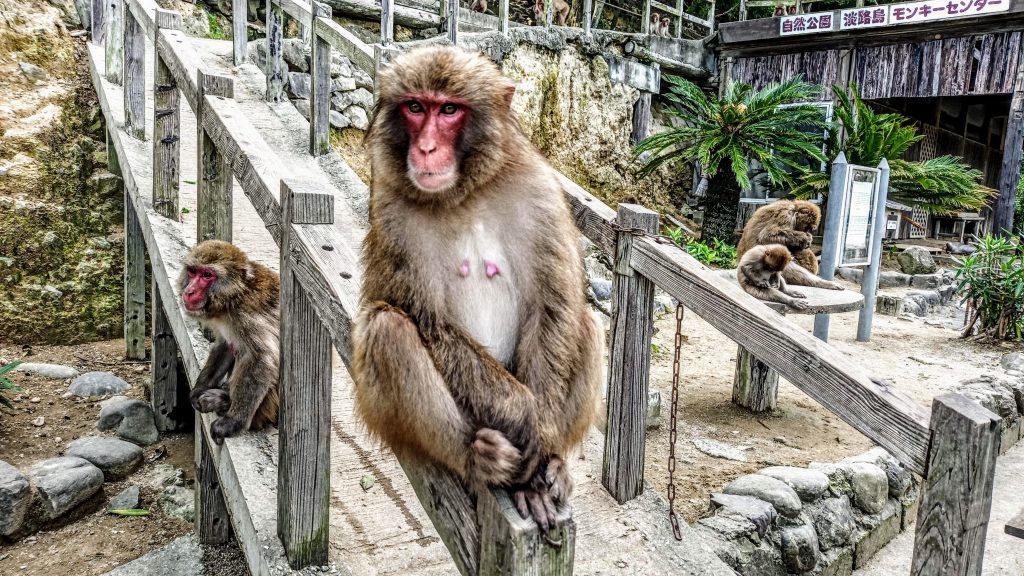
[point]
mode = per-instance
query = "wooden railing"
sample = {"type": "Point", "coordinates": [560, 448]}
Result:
{"type": "Point", "coordinates": [954, 448]}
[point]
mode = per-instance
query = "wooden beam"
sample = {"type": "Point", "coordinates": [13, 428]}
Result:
{"type": "Point", "coordinates": [1009, 174]}
{"type": "Point", "coordinates": [276, 67]}
{"type": "Point", "coordinates": [114, 40]}
{"type": "Point", "coordinates": [182, 63]}
{"type": "Point", "coordinates": [956, 497]}
{"type": "Point", "coordinates": [134, 284]}
{"type": "Point", "coordinates": [166, 400]}
{"type": "Point", "coordinates": [320, 87]}
{"type": "Point", "coordinates": [98, 21]}
{"type": "Point", "coordinates": [387, 22]}
{"type": "Point", "coordinates": [144, 12]}
{"type": "Point", "coordinates": [348, 44]}
{"type": "Point", "coordinates": [213, 183]}
{"type": "Point", "coordinates": [755, 386]}
{"type": "Point", "coordinates": [239, 31]}
{"type": "Point", "coordinates": [510, 545]}
{"type": "Point", "coordinates": [451, 22]}
{"type": "Point", "coordinates": [629, 362]}
{"type": "Point", "coordinates": [503, 16]}
{"type": "Point", "coordinates": [212, 523]}
{"type": "Point", "coordinates": [641, 117]}
{"type": "Point", "coordinates": [166, 127]}
{"type": "Point", "coordinates": [134, 78]}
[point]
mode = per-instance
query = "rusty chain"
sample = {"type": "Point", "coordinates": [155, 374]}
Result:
{"type": "Point", "coordinates": [672, 518]}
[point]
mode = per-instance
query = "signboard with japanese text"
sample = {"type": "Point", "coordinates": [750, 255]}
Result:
{"type": "Point", "coordinates": [859, 213]}
{"type": "Point", "coordinates": [893, 14]}
{"type": "Point", "coordinates": [806, 23]}
{"type": "Point", "coordinates": [942, 9]}
{"type": "Point", "coordinates": [863, 17]}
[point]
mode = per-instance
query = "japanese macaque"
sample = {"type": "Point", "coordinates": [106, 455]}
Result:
{"type": "Point", "coordinates": [664, 27]}
{"type": "Point", "coordinates": [474, 346]}
{"type": "Point", "coordinates": [655, 25]}
{"type": "Point", "coordinates": [760, 274]}
{"type": "Point", "coordinates": [237, 299]}
{"type": "Point", "coordinates": [806, 219]}
{"type": "Point", "coordinates": [478, 6]}
{"type": "Point", "coordinates": [775, 223]}
{"type": "Point", "coordinates": [560, 11]}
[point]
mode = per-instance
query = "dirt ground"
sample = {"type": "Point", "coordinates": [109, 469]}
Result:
{"type": "Point", "coordinates": [920, 359]}
{"type": "Point", "coordinates": [90, 541]}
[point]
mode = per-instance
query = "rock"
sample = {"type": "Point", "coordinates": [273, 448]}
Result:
{"type": "Point", "coordinates": [653, 409]}
{"type": "Point", "coordinates": [960, 249]}
{"type": "Point", "coordinates": [163, 475]}
{"type": "Point", "coordinates": [663, 304]}
{"type": "Point", "coordinates": [719, 449]}
{"type": "Point", "coordinates": [294, 52]}
{"type": "Point", "coordinates": [869, 484]}
{"type": "Point", "coordinates": [303, 107]}
{"type": "Point", "coordinates": [15, 498]}
{"type": "Point", "coordinates": [39, 422]}
{"type": "Point", "coordinates": [339, 120]}
{"type": "Point", "coordinates": [735, 540]}
{"type": "Point", "coordinates": [362, 97]}
{"type": "Point", "coordinates": [179, 502]}
{"type": "Point", "coordinates": [363, 79]}
{"type": "Point", "coordinates": [773, 491]}
{"type": "Point", "coordinates": [993, 393]}
{"type": "Point", "coordinates": [183, 556]}
{"type": "Point", "coordinates": [343, 84]}
{"type": "Point", "coordinates": [834, 521]}
{"type": "Point", "coordinates": [808, 484]}
{"type": "Point", "coordinates": [116, 458]}
{"type": "Point", "coordinates": [800, 549]}
{"type": "Point", "coordinates": [836, 562]}
{"type": "Point", "coordinates": [761, 513]}
{"type": "Point", "coordinates": [850, 274]}
{"type": "Point", "coordinates": [602, 289]}
{"type": "Point", "coordinates": [915, 304]}
{"type": "Point", "coordinates": [925, 280]}
{"type": "Point", "coordinates": [258, 55]}
{"type": "Point", "coordinates": [880, 530]}
{"type": "Point", "coordinates": [65, 482]}
{"type": "Point", "coordinates": [340, 65]}
{"type": "Point", "coordinates": [132, 418]}
{"type": "Point", "coordinates": [899, 478]}
{"type": "Point", "coordinates": [51, 371]}
{"type": "Point", "coordinates": [84, 9]}
{"type": "Point", "coordinates": [33, 72]}
{"type": "Point", "coordinates": [299, 85]}
{"type": "Point", "coordinates": [358, 117]}
{"type": "Point", "coordinates": [596, 268]}
{"type": "Point", "coordinates": [930, 297]}
{"type": "Point", "coordinates": [125, 500]}
{"type": "Point", "coordinates": [916, 260]}
{"type": "Point", "coordinates": [892, 279]}
{"type": "Point", "coordinates": [1010, 361]}
{"type": "Point", "coordinates": [93, 384]}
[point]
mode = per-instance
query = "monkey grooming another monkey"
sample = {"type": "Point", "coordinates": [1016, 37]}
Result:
{"type": "Point", "coordinates": [776, 223]}
{"type": "Point", "coordinates": [478, 6]}
{"type": "Point", "coordinates": [238, 300]}
{"type": "Point", "coordinates": [474, 346]}
{"type": "Point", "coordinates": [760, 274]}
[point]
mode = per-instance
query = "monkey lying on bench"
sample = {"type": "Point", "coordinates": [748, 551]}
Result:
{"type": "Point", "coordinates": [760, 273]}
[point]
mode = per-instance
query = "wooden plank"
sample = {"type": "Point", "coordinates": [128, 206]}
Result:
{"type": "Point", "coordinates": [304, 470]}
{"type": "Point", "coordinates": [114, 40]}
{"type": "Point", "coordinates": [503, 16]}
{"type": "Point", "coordinates": [872, 406]}
{"type": "Point", "coordinates": [1015, 527]}
{"type": "Point", "coordinates": [451, 22]}
{"type": "Point", "coordinates": [166, 128]}
{"type": "Point", "coordinates": [410, 16]}
{"type": "Point", "coordinates": [239, 31]}
{"type": "Point", "coordinates": [593, 218]}
{"type": "Point", "coordinates": [588, 16]}
{"type": "Point", "coordinates": [98, 22]}
{"type": "Point", "coordinates": [1009, 174]}
{"type": "Point", "coordinates": [320, 89]}
{"type": "Point", "coordinates": [144, 12]}
{"type": "Point", "coordinates": [387, 22]}
{"type": "Point", "coordinates": [348, 44]}
{"type": "Point", "coordinates": [213, 184]}
{"type": "Point", "coordinates": [755, 385]}
{"type": "Point", "coordinates": [510, 545]}
{"type": "Point", "coordinates": [629, 362]}
{"type": "Point", "coordinates": [956, 497]}
{"type": "Point", "coordinates": [276, 67]}
{"type": "Point", "coordinates": [212, 524]}
{"type": "Point", "coordinates": [182, 62]}
{"type": "Point", "coordinates": [641, 117]}
{"type": "Point", "coordinates": [166, 400]}
{"type": "Point", "coordinates": [134, 285]}
{"type": "Point", "coordinates": [134, 78]}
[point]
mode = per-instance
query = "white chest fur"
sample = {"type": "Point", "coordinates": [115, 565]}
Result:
{"type": "Point", "coordinates": [485, 299]}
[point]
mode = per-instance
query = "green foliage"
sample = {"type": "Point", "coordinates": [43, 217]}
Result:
{"type": "Point", "coordinates": [130, 512]}
{"type": "Point", "coordinates": [941, 185]}
{"type": "Point", "coordinates": [6, 384]}
{"type": "Point", "coordinates": [714, 253]}
{"type": "Point", "coordinates": [1018, 212]}
{"type": "Point", "coordinates": [991, 282]}
{"type": "Point", "coordinates": [745, 124]}
{"type": "Point", "coordinates": [216, 30]}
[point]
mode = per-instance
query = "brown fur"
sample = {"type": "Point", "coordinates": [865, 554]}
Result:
{"type": "Point", "coordinates": [560, 12]}
{"type": "Point", "coordinates": [760, 274]}
{"type": "Point", "coordinates": [665, 27]}
{"type": "Point", "coordinates": [788, 223]}
{"type": "Point", "coordinates": [242, 309]}
{"type": "Point", "coordinates": [478, 6]}
{"type": "Point", "coordinates": [424, 384]}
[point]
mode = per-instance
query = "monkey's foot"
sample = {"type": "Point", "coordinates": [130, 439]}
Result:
{"type": "Point", "coordinates": [558, 479]}
{"type": "Point", "coordinates": [224, 427]}
{"type": "Point", "coordinates": [213, 400]}
{"type": "Point", "coordinates": [492, 458]}
{"type": "Point", "coordinates": [833, 286]}
{"type": "Point", "coordinates": [533, 499]}
{"type": "Point", "coordinates": [797, 294]}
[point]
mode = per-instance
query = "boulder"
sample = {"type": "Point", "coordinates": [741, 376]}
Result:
{"type": "Point", "coordinates": [916, 260]}
{"type": "Point", "coordinates": [775, 492]}
{"type": "Point", "coordinates": [735, 540]}
{"type": "Point", "coordinates": [602, 289]}
{"type": "Point", "coordinates": [116, 458]}
{"type": "Point", "coordinates": [900, 479]}
{"type": "Point", "coordinates": [295, 54]}
{"type": "Point", "coordinates": [340, 65]}
{"type": "Point", "coordinates": [869, 484]}
{"type": "Point", "coordinates": [65, 482]}
{"type": "Point", "coordinates": [358, 117]}
{"type": "Point", "coordinates": [930, 281]}
{"type": "Point", "coordinates": [833, 521]}
{"type": "Point", "coordinates": [33, 72]}
{"type": "Point", "coordinates": [125, 500]}
{"type": "Point", "coordinates": [339, 120]}
{"type": "Point", "coordinates": [93, 384]}
{"type": "Point", "coordinates": [761, 513]}
{"type": "Point", "coordinates": [993, 393]}
{"type": "Point", "coordinates": [15, 498]}
{"type": "Point", "coordinates": [800, 549]}
{"type": "Point", "coordinates": [854, 275]}
{"type": "Point", "coordinates": [303, 107]}
{"type": "Point", "coordinates": [892, 279]}
{"type": "Point", "coordinates": [257, 52]}
{"type": "Point", "coordinates": [808, 484]}
{"type": "Point", "coordinates": [299, 85]}
{"type": "Point", "coordinates": [51, 371]}
{"type": "Point", "coordinates": [1009, 361]}
{"type": "Point", "coordinates": [179, 502]}
{"type": "Point", "coordinates": [343, 84]}
{"type": "Point", "coordinates": [133, 420]}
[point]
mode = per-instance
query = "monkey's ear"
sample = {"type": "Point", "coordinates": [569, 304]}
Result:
{"type": "Point", "coordinates": [249, 273]}
{"type": "Point", "coordinates": [510, 91]}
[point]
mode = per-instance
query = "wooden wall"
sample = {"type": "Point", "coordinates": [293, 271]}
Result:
{"type": "Point", "coordinates": [819, 67]}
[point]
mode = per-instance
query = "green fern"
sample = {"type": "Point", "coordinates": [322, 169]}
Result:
{"type": "Point", "coordinates": [6, 384]}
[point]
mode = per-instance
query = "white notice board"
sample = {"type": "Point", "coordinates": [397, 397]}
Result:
{"type": "Point", "coordinates": [859, 213]}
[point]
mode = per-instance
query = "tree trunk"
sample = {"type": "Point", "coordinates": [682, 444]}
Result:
{"type": "Point", "coordinates": [723, 199]}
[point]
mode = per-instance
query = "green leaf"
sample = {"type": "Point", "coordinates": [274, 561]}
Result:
{"type": "Point", "coordinates": [130, 512]}
{"type": "Point", "coordinates": [9, 367]}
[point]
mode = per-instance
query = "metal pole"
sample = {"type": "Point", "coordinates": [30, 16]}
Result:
{"type": "Point", "coordinates": [830, 241]}
{"type": "Point", "coordinates": [587, 16]}
{"type": "Point", "coordinates": [869, 283]}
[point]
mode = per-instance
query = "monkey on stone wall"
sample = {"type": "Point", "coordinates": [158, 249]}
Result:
{"type": "Point", "coordinates": [474, 346]}
{"type": "Point", "coordinates": [560, 12]}
{"type": "Point", "coordinates": [479, 6]}
{"type": "Point", "coordinates": [237, 299]}
{"type": "Point", "coordinates": [777, 223]}
{"type": "Point", "coordinates": [664, 27]}
{"type": "Point", "coordinates": [760, 274]}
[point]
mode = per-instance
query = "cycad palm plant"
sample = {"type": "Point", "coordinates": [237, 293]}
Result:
{"type": "Point", "coordinates": [940, 185]}
{"type": "Point", "coordinates": [725, 134]}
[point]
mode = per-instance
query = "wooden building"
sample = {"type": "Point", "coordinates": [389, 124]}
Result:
{"type": "Point", "coordinates": [952, 66]}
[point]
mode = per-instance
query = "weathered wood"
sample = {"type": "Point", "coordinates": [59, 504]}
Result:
{"type": "Point", "coordinates": [99, 22]}
{"type": "Point", "coordinates": [409, 16]}
{"type": "Point", "coordinates": [182, 62]}
{"type": "Point", "coordinates": [134, 78]}
{"type": "Point", "coordinates": [144, 12]}
{"type": "Point", "coordinates": [956, 497]}
{"type": "Point", "coordinates": [348, 44]}
{"type": "Point", "coordinates": [212, 524]}
{"type": "Point", "coordinates": [511, 545]}
{"type": "Point", "coordinates": [1015, 527]}
{"type": "Point", "coordinates": [387, 22]}
{"type": "Point", "coordinates": [320, 88]}
{"type": "Point", "coordinates": [1009, 175]}
{"type": "Point", "coordinates": [166, 127]}
{"type": "Point", "coordinates": [755, 385]}
{"type": "Point", "coordinates": [645, 18]}
{"type": "Point", "coordinates": [239, 31]}
{"type": "Point", "coordinates": [166, 400]}
{"type": "Point", "coordinates": [213, 185]}
{"type": "Point", "coordinates": [276, 68]}
{"type": "Point", "coordinates": [450, 508]}
{"type": "Point", "coordinates": [451, 21]}
{"type": "Point", "coordinates": [134, 285]}
{"type": "Point", "coordinates": [503, 16]}
{"type": "Point", "coordinates": [588, 16]}
{"type": "Point", "coordinates": [629, 360]}
{"type": "Point", "coordinates": [641, 117]}
{"type": "Point", "coordinates": [114, 40]}
{"type": "Point", "coordinates": [304, 472]}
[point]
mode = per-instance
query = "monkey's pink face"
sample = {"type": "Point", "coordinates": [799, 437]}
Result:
{"type": "Point", "coordinates": [434, 122]}
{"type": "Point", "coordinates": [200, 279]}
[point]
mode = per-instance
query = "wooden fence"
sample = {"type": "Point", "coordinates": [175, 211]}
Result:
{"type": "Point", "coordinates": [954, 447]}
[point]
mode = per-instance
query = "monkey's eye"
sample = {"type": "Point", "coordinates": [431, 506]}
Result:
{"type": "Point", "coordinates": [449, 108]}
{"type": "Point", "coordinates": [207, 274]}
{"type": "Point", "coordinates": [415, 107]}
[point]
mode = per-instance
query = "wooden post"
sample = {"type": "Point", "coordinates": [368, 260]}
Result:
{"type": "Point", "coordinates": [320, 91]}
{"type": "Point", "coordinates": [453, 21]}
{"type": "Point", "coordinates": [167, 402]}
{"type": "Point", "coordinates": [212, 524]}
{"type": "Point", "coordinates": [628, 363]}
{"type": "Point", "coordinates": [134, 77]}
{"type": "Point", "coordinates": [869, 282]}
{"type": "Point", "coordinates": [830, 242]}
{"type": "Point", "coordinates": [304, 423]}
{"type": "Point", "coordinates": [1009, 175]}
{"type": "Point", "coordinates": [166, 127]}
{"type": "Point", "coordinates": [755, 385]}
{"type": "Point", "coordinates": [549, 12]}
{"type": "Point", "coordinates": [641, 117]}
{"type": "Point", "coordinates": [98, 24]}
{"type": "Point", "coordinates": [275, 64]}
{"type": "Point", "coordinates": [588, 16]}
{"type": "Point", "coordinates": [134, 283]}
{"type": "Point", "coordinates": [645, 18]}
{"type": "Point", "coordinates": [742, 15]}
{"type": "Point", "coordinates": [956, 497]}
{"type": "Point", "coordinates": [239, 30]}
{"type": "Point", "coordinates": [511, 545]}
{"type": "Point", "coordinates": [114, 41]}
{"type": "Point", "coordinates": [387, 22]}
{"type": "Point", "coordinates": [213, 185]}
{"type": "Point", "coordinates": [503, 16]}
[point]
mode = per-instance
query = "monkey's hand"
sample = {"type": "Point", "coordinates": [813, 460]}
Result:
{"type": "Point", "coordinates": [224, 427]}
{"type": "Point", "coordinates": [762, 284]}
{"type": "Point", "coordinates": [213, 400]}
{"type": "Point", "coordinates": [534, 499]}
{"type": "Point", "coordinates": [796, 293]}
{"type": "Point", "coordinates": [492, 459]}
{"type": "Point", "coordinates": [559, 481]}
{"type": "Point", "coordinates": [797, 304]}
{"type": "Point", "coordinates": [800, 241]}
{"type": "Point", "coordinates": [833, 286]}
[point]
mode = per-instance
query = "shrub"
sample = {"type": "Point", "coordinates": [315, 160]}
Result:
{"type": "Point", "coordinates": [991, 282]}
{"type": "Point", "coordinates": [6, 384]}
{"type": "Point", "coordinates": [714, 253]}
